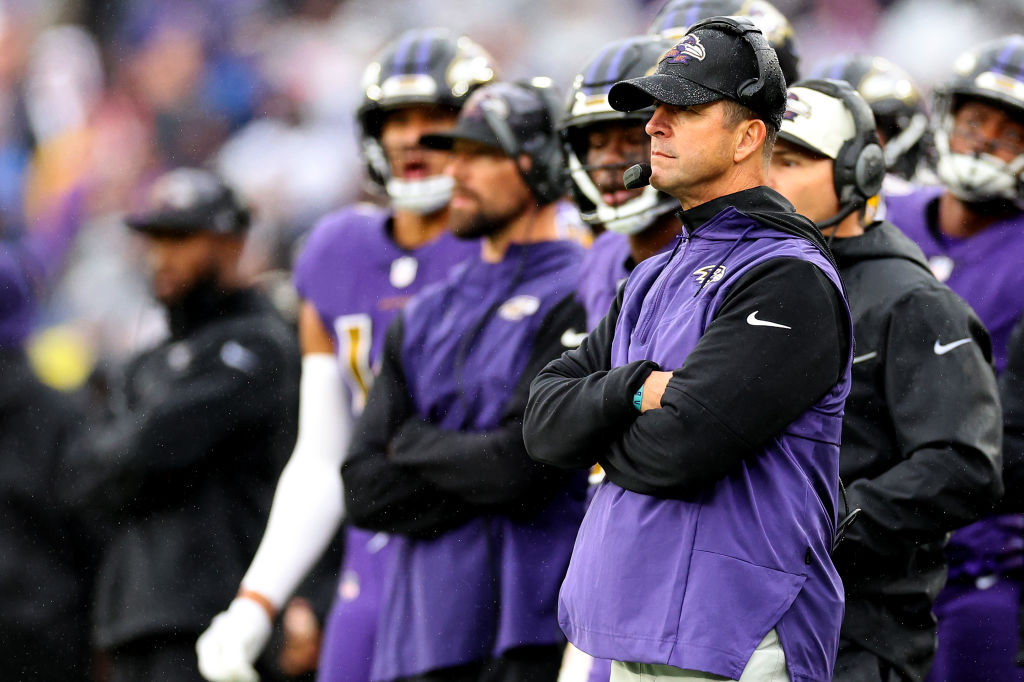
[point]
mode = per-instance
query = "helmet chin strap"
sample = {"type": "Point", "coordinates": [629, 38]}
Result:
{"type": "Point", "coordinates": [420, 196]}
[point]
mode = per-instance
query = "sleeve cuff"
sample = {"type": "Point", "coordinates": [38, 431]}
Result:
{"type": "Point", "coordinates": [621, 387]}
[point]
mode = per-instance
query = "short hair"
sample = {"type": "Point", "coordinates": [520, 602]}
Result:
{"type": "Point", "coordinates": [735, 113]}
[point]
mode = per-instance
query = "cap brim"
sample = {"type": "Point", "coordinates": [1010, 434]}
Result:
{"type": "Point", "coordinates": [640, 93]}
{"type": "Point", "coordinates": [445, 141]}
{"type": "Point", "coordinates": [163, 224]}
{"type": "Point", "coordinates": [802, 144]}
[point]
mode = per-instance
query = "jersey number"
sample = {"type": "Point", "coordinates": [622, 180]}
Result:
{"type": "Point", "coordinates": [355, 336]}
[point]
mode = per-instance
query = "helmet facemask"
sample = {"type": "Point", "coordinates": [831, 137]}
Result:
{"type": "Point", "coordinates": [422, 195]}
{"type": "Point", "coordinates": [629, 217]}
{"type": "Point", "coordinates": [975, 177]}
{"type": "Point", "coordinates": [421, 67]}
{"type": "Point", "coordinates": [588, 107]}
{"type": "Point", "coordinates": [991, 74]}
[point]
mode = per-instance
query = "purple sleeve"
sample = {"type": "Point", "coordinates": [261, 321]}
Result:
{"type": "Point", "coordinates": [308, 264]}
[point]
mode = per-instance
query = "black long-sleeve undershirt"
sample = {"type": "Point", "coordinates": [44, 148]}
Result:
{"type": "Point", "coordinates": [406, 475]}
{"type": "Point", "coordinates": [740, 386]}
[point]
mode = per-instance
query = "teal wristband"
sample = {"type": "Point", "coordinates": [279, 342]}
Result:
{"type": "Point", "coordinates": [638, 399]}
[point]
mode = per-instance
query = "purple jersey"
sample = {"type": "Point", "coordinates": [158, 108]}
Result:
{"type": "Point", "coordinates": [605, 266]}
{"type": "Point", "coordinates": [358, 279]}
{"type": "Point", "coordinates": [984, 269]}
{"type": "Point", "coordinates": [604, 269]}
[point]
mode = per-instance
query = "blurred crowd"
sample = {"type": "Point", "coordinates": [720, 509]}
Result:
{"type": "Point", "coordinates": [101, 95]}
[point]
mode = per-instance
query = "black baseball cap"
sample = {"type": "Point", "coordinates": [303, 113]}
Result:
{"type": "Point", "coordinates": [718, 58]}
{"type": "Point", "coordinates": [513, 117]}
{"type": "Point", "coordinates": [187, 200]}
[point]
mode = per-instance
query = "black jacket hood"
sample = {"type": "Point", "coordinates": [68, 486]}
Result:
{"type": "Point", "coordinates": [761, 203]}
{"type": "Point", "coordinates": [764, 205]}
{"type": "Point", "coordinates": [880, 240]}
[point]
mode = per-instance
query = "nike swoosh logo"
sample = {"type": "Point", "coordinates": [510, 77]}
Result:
{"type": "Point", "coordinates": [753, 321]}
{"type": "Point", "coordinates": [942, 349]}
{"type": "Point", "coordinates": [572, 338]}
{"type": "Point", "coordinates": [865, 357]}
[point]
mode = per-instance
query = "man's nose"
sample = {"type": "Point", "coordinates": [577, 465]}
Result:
{"type": "Point", "coordinates": [409, 136]}
{"type": "Point", "coordinates": [455, 168]}
{"type": "Point", "coordinates": [983, 138]}
{"type": "Point", "coordinates": [656, 125]}
{"type": "Point", "coordinates": [157, 254]}
{"type": "Point", "coordinates": [611, 154]}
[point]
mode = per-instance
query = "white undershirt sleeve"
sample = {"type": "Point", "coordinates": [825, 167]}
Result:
{"type": "Point", "coordinates": [309, 503]}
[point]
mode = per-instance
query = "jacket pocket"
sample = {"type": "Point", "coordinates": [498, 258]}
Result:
{"type": "Point", "coordinates": [731, 604]}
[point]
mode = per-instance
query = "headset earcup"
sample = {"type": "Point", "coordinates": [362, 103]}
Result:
{"type": "Point", "coordinates": [869, 172]}
{"type": "Point", "coordinates": [860, 164]}
{"type": "Point", "coordinates": [844, 174]}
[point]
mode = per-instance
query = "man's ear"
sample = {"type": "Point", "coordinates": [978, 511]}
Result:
{"type": "Point", "coordinates": [525, 163]}
{"type": "Point", "coordinates": [227, 250]}
{"type": "Point", "coordinates": [750, 137]}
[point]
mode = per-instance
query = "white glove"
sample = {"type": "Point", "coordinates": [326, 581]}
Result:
{"type": "Point", "coordinates": [233, 641]}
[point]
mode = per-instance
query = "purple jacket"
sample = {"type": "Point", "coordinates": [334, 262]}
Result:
{"type": "Point", "coordinates": [484, 534]}
{"type": "Point", "coordinates": [692, 558]}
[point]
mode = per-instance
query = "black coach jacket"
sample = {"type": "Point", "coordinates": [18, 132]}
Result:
{"type": "Point", "coordinates": [184, 472]}
{"type": "Point", "coordinates": [1011, 386]}
{"type": "Point", "coordinates": [921, 442]}
{"type": "Point", "coordinates": [46, 553]}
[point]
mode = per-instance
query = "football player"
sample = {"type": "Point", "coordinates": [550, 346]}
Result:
{"type": "Point", "coordinates": [599, 144]}
{"type": "Point", "coordinates": [483, 534]}
{"type": "Point", "coordinates": [358, 268]}
{"type": "Point", "coordinates": [972, 232]}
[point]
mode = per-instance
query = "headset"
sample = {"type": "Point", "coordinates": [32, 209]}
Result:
{"type": "Point", "coordinates": [546, 176]}
{"type": "Point", "coordinates": [754, 90]}
{"type": "Point", "coordinates": [860, 164]}
{"type": "Point", "coordinates": [766, 92]}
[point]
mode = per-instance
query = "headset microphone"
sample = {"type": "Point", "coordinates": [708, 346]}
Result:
{"type": "Point", "coordinates": [637, 176]}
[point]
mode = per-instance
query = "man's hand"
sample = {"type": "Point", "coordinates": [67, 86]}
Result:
{"type": "Point", "coordinates": [301, 649]}
{"type": "Point", "coordinates": [654, 388]}
{"type": "Point", "coordinates": [233, 641]}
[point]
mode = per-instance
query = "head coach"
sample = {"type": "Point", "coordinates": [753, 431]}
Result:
{"type": "Point", "coordinates": [712, 394]}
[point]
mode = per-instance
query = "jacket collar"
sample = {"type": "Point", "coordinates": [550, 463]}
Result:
{"type": "Point", "coordinates": [205, 303]}
{"type": "Point", "coordinates": [754, 199]}
{"type": "Point", "coordinates": [881, 240]}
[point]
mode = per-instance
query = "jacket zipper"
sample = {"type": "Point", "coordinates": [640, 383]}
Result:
{"type": "Point", "coordinates": [644, 327]}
